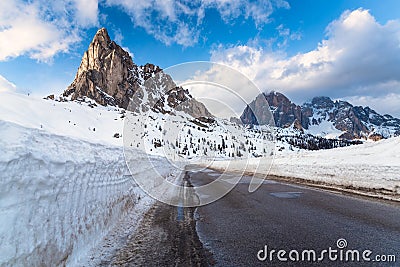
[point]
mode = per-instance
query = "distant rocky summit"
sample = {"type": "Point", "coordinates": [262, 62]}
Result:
{"type": "Point", "coordinates": [108, 75]}
{"type": "Point", "coordinates": [284, 111]}
{"type": "Point", "coordinates": [322, 115]}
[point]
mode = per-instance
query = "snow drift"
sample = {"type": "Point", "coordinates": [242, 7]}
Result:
{"type": "Point", "coordinates": [59, 196]}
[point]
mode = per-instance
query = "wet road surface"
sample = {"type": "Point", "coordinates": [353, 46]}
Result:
{"type": "Point", "coordinates": [232, 230]}
{"type": "Point", "coordinates": [291, 217]}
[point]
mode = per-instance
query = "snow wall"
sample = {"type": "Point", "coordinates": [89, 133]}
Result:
{"type": "Point", "coordinates": [59, 196]}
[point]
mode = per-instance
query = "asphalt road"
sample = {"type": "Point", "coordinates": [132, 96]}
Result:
{"type": "Point", "coordinates": [235, 230]}
{"type": "Point", "coordinates": [291, 217]}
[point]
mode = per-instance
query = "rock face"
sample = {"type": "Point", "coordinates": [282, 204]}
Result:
{"type": "Point", "coordinates": [108, 75]}
{"type": "Point", "coordinates": [353, 121]}
{"type": "Point", "coordinates": [284, 111]}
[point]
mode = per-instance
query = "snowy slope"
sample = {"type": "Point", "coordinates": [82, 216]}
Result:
{"type": "Point", "coordinates": [99, 124]}
{"type": "Point", "coordinates": [324, 129]}
{"type": "Point", "coordinates": [180, 137]}
{"type": "Point", "coordinates": [73, 119]}
{"type": "Point", "coordinates": [177, 136]}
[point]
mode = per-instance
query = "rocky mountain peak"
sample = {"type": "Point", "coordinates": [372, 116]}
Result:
{"type": "Point", "coordinates": [108, 75]}
{"type": "Point", "coordinates": [284, 111]}
{"type": "Point", "coordinates": [276, 99]}
{"type": "Point", "coordinates": [102, 37]}
{"type": "Point", "coordinates": [322, 102]}
{"type": "Point", "coordinates": [149, 70]}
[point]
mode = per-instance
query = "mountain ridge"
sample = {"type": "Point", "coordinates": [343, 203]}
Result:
{"type": "Point", "coordinates": [345, 120]}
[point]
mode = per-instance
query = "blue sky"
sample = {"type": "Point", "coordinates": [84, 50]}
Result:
{"type": "Point", "coordinates": [300, 47]}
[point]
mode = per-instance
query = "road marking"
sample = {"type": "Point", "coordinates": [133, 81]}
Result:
{"type": "Point", "coordinates": [286, 194]}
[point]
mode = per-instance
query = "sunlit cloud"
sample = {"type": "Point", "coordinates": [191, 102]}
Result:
{"type": "Point", "coordinates": [42, 29]}
{"type": "Point", "coordinates": [358, 57]}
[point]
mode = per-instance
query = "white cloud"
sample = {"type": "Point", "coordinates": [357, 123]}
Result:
{"type": "Point", "coordinates": [224, 90]}
{"type": "Point", "coordinates": [359, 57]}
{"type": "Point", "coordinates": [286, 35]}
{"type": "Point", "coordinates": [180, 21]}
{"type": "Point", "coordinates": [86, 12]}
{"type": "Point", "coordinates": [6, 85]}
{"type": "Point", "coordinates": [259, 11]}
{"type": "Point", "coordinates": [41, 29]}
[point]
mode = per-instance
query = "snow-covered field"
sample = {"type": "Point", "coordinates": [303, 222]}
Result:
{"type": "Point", "coordinates": [372, 168]}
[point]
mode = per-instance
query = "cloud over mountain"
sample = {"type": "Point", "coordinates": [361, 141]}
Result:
{"type": "Point", "coordinates": [358, 58]}
{"type": "Point", "coordinates": [41, 29]}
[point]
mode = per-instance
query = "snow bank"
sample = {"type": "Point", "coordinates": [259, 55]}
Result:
{"type": "Point", "coordinates": [372, 168]}
{"type": "Point", "coordinates": [59, 196]}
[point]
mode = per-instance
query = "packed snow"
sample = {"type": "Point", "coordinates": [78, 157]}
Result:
{"type": "Point", "coordinates": [60, 196]}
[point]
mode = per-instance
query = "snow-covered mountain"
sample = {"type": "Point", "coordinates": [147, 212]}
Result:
{"type": "Point", "coordinates": [145, 106]}
{"type": "Point", "coordinates": [324, 117]}
{"type": "Point", "coordinates": [114, 101]}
